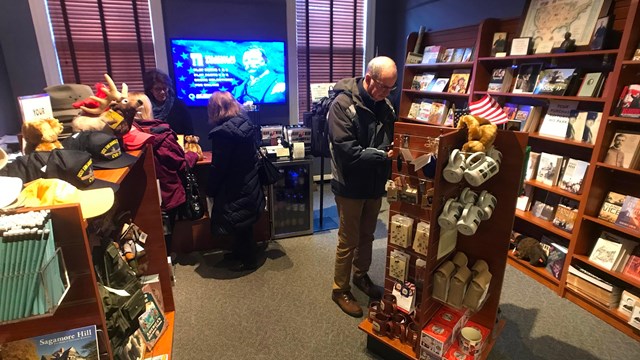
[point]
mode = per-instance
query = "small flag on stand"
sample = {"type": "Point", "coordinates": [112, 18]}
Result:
{"type": "Point", "coordinates": [488, 108]}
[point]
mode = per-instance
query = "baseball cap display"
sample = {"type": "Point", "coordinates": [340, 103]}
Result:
{"type": "Point", "coordinates": [28, 167]}
{"type": "Point", "coordinates": [11, 187]}
{"type": "Point", "coordinates": [104, 149]}
{"type": "Point", "coordinates": [135, 139]}
{"type": "Point", "coordinates": [75, 167]}
{"type": "Point", "coordinates": [45, 192]}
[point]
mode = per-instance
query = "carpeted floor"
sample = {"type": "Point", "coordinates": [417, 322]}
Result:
{"type": "Point", "coordinates": [284, 310]}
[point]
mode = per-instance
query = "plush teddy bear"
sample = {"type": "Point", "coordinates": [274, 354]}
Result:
{"type": "Point", "coordinates": [41, 135]}
{"type": "Point", "coordinates": [482, 133]}
{"type": "Point", "coordinates": [191, 145]}
{"type": "Point", "coordinates": [528, 248]}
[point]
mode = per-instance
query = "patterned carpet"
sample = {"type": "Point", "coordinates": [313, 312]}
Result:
{"type": "Point", "coordinates": [284, 310]}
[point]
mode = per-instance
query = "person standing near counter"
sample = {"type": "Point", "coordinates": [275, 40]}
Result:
{"type": "Point", "coordinates": [234, 185]}
{"type": "Point", "coordinates": [166, 107]}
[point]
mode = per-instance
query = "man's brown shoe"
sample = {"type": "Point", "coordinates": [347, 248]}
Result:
{"type": "Point", "coordinates": [367, 286]}
{"type": "Point", "coordinates": [347, 303]}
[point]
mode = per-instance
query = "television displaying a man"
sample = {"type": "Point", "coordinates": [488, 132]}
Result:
{"type": "Point", "coordinates": [263, 85]}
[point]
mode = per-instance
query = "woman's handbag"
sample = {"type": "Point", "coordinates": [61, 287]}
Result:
{"type": "Point", "coordinates": [192, 209]}
{"type": "Point", "coordinates": [267, 172]}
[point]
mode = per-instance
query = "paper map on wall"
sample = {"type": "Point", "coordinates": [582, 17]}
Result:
{"type": "Point", "coordinates": [549, 20]}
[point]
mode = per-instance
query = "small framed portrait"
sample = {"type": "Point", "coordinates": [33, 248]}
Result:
{"type": "Point", "coordinates": [499, 43]}
{"type": "Point", "coordinates": [599, 37]}
{"type": "Point", "coordinates": [520, 46]}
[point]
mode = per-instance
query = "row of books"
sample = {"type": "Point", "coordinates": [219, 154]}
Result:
{"type": "Point", "coordinates": [556, 170]}
{"type": "Point", "coordinates": [617, 253]}
{"type": "Point", "coordinates": [561, 213]}
{"type": "Point", "coordinates": [532, 79]}
{"type": "Point", "coordinates": [457, 83]}
{"type": "Point", "coordinates": [623, 210]}
{"type": "Point", "coordinates": [439, 54]}
{"type": "Point", "coordinates": [582, 280]}
{"type": "Point", "coordinates": [437, 112]}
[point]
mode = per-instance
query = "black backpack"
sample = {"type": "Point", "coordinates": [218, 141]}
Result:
{"type": "Point", "coordinates": [320, 127]}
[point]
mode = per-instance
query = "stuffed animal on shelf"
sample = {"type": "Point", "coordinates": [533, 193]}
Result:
{"type": "Point", "coordinates": [481, 135]}
{"type": "Point", "coordinates": [41, 135]}
{"type": "Point", "coordinates": [528, 248]}
{"type": "Point", "coordinates": [191, 145]}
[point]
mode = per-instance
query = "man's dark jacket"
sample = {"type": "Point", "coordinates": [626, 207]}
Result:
{"type": "Point", "coordinates": [358, 139]}
{"type": "Point", "coordinates": [233, 182]}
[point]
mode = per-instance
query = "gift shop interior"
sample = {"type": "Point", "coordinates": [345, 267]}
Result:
{"type": "Point", "coordinates": [314, 179]}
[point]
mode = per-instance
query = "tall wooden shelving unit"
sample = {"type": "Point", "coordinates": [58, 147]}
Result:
{"type": "Point", "coordinates": [82, 306]}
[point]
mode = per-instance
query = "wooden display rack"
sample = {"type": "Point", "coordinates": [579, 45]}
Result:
{"type": "Point", "coordinates": [615, 60]}
{"type": "Point", "coordinates": [490, 243]}
{"type": "Point", "coordinates": [82, 306]}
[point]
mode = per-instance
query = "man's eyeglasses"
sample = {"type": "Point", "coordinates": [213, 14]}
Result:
{"type": "Point", "coordinates": [388, 88]}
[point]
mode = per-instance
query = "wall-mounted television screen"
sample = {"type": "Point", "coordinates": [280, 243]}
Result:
{"type": "Point", "coordinates": [250, 70]}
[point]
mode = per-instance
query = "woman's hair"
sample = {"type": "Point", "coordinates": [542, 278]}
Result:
{"type": "Point", "coordinates": [154, 76]}
{"type": "Point", "coordinates": [145, 111]}
{"type": "Point", "coordinates": [222, 106]}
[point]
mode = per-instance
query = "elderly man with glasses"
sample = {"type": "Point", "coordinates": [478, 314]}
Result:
{"type": "Point", "coordinates": [361, 122]}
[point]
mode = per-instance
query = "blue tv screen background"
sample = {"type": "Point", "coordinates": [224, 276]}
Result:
{"type": "Point", "coordinates": [202, 67]}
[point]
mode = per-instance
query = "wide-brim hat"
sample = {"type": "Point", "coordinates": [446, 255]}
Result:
{"type": "Point", "coordinates": [11, 187]}
{"type": "Point", "coordinates": [104, 148]}
{"type": "Point", "coordinates": [47, 192]}
{"type": "Point", "coordinates": [63, 96]}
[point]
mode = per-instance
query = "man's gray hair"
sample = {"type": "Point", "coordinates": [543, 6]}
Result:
{"type": "Point", "coordinates": [378, 64]}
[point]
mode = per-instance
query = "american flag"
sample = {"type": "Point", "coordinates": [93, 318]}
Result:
{"type": "Point", "coordinates": [488, 108]}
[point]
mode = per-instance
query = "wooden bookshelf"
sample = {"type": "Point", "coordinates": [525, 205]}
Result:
{"type": "Point", "coordinates": [560, 140]}
{"type": "Point", "coordinates": [618, 275]}
{"type": "Point", "coordinates": [553, 189]}
{"type": "Point", "coordinates": [617, 168]}
{"type": "Point", "coordinates": [547, 225]}
{"type": "Point", "coordinates": [542, 97]}
{"type": "Point", "coordinates": [434, 93]}
{"type": "Point", "coordinates": [529, 58]}
{"type": "Point", "coordinates": [612, 226]}
{"type": "Point", "coordinates": [623, 119]}
{"type": "Point", "coordinates": [540, 274]}
{"type": "Point", "coordinates": [460, 65]}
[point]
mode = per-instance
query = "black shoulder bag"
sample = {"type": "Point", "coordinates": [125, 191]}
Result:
{"type": "Point", "coordinates": [267, 172]}
{"type": "Point", "coordinates": [192, 209]}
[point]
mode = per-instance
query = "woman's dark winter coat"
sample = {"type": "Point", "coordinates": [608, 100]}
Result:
{"type": "Point", "coordinates": [233, 183]}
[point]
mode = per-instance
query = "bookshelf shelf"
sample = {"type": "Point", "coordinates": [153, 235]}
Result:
{"type": "Point", "coordinates": [561, 140]}
{"type": "Point", "coordinates": [525, 58]}
{"type": "Point", "coordinates": [434, 93]}
{"type": "Point", "coordinates": [460, 65]}
{"type": "Point", "coordinates": [631, 62]}
{"type": "Point", "coordinates": [539, 274]}
{"type": "Point", "coordinates": [553, 189]}
{"type": "Point", "coordinates": [613, 226]}
{"type": "Point", "coordinates": [547, 225]}
{"type": "Point", "coordinates": [624, 119]}
{"type": "Point", "coordinates": [618, 275]}
{"type": "Point", "coordinates": [543, 97]}
{"type": "Point", "coordinates": [617, 168]}
{"type": "Point", "coordinates": [611, 316]}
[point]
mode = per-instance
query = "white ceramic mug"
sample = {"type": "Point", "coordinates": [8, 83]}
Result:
{"type": "Point", "coordinates": [467, 196]}
{"type": "Point", "coordinates": [480, 168]}
{"type": "Point", "coordinates": [470, 341]}
{"type": "Point", "coordinates": [450, 214]}
{"type": "Point", "coordinates": [469, 220]}
{"type": "Point", "coordinates": [487, 203]}
{"type": "Point", "coordinates": [455, 168]}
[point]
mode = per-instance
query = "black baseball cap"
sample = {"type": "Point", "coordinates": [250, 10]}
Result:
{"type": "Point", "coordinates": [76, 168]}
{"type": "Point", "coordinates": [28, 167]}
{"type": "Point", "coordinates": [104, 148]}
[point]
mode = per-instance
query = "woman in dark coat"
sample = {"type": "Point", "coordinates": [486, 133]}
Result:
{"type": "Point", "coordinates": [233, 183]}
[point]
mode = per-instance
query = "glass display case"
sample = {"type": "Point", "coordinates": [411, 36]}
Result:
{"type": "Point", "coordinates": [291, 200]}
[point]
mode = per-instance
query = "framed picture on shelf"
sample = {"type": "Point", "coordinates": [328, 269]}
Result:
{"type": "Point", "coordinates": [598, 40]}
{"type": "Point", "coordinates": [590, 84]}
{"type": "Point", "coordinates": [527, 78]}
{"type": "Point", "coordinates": [520, 46]}
{"type": "Point", "coordinates": [551, 20]}
{"type": "Point", "coordinates": [499, 43]}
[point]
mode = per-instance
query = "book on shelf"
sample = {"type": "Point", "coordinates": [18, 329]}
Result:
{"type": "Point", "coordinates": [424, 111]}
{"type": "Point", "coordinates": [152, 321]}
{"type": "Point", "coordinates": [447, 56]}
{"type": "Point", "coordinates": [432, 54]}
{"type": "Point", "coordinates": [542, 210]}
{"type": "Point", "coordinates": [532, 166]}
{"type": "Point", "coordinates": [500, 79]}
{"type": "Point", "coordinates": [530, 114]}
{"type": "Point", "coordinates": [438, 112]}
{"type": "Point", "coordinates": [634, 320]}
{"type": "Point", "coordinates": [79, 343]}
{"type": "Point", "coordinates": [636, 54]}
{"type": "Point", "coordinates": [605, 253]}
{"type": "Point", "coordinates": [510, 110]}
{"type": "Point", "coordinates": [448, 121]}
{"type": "Point", "coordinates": [565, 218]}
{"type": "Point", "coordinates": [629, 215]}
{"type": "Point", "coordinates": [515, 125]}
{"type": "Point", "coordinates": [575, 129]}
{"type": "Point", "coordinates": [459, 81]}
{"type": "Point", "coordinates": [556, 257]}
{"type": "Point", "coordinates": [608, 299]}
{"type": "Point", "coordinates": [623, 150]}
{"type": "Point", "coordinates": [630, 106]}
{"type": "Point", "coordinates": [439, 85]}
{"type": "Point", "coordinates": [590, 84]}
{"type": "Point", "coordinates": [632, 266]}
{"type": "Point", "coordinates": [422, 81]}
{"type": "Point", "coordinates": [549, 168]}
{"type": "Point", "coordinates": [573, 176]}
{"type": "Point", "coordinates": [458, 54]}
{"type": "Point", "coordinates": [556, 120]}
{"type": "Point", "coordinates": [627, 302]}
{"type": "Point", "coordinates": [554, 81]}
{"type": "Point", "coordinates": [611, 206]}
{"type": "Point", "coordinates": [628, 247]}
{"type": "Point", "coordinates": [414, 109]}
{"type": "Point", "coordinates": [584, 274]}
{"type": "Point", "coordinates": [527, 78]}
{"type": "Point", "coordinates": [591, 126]}
{"type": "Point", "coordinates": [468, 52]}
